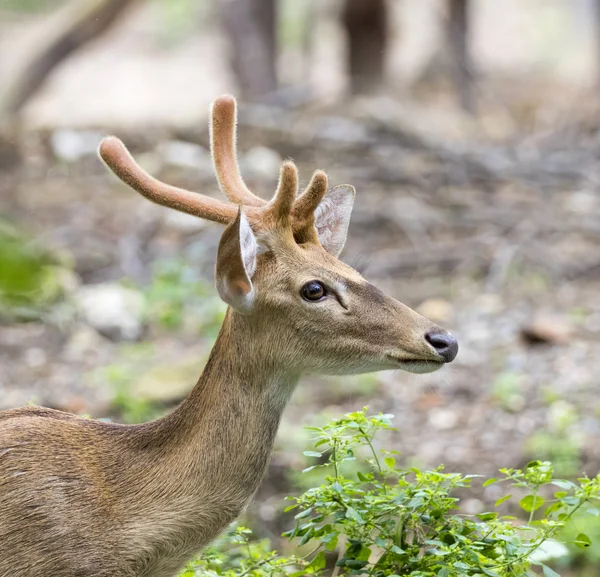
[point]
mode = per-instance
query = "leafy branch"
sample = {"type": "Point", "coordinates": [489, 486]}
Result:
{"type": "Point", "coordinates": [382, 520]}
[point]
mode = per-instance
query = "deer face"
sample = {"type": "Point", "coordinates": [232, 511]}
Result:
{"type": "Point", "coordinates": [342, 324]}
{"type": "Point", "coordinates": [277, 268]}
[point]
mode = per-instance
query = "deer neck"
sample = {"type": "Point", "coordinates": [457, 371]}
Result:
{"type": "Point", "coordinates": [241, 383]}
{"type": "Point", "coordinates": [222, 435]}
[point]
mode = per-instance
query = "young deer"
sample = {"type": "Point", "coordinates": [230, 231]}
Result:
{"type": "Point", "coordinates": [86, 498]}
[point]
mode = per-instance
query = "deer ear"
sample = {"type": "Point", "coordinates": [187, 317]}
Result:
{"type": "Point", "coordinates": [332, 218]}
{"type": "Point", "coordinates": [236, 263]}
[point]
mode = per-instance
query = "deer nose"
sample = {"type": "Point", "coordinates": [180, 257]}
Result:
{"type": "Point", "coordinates": [444, 344]}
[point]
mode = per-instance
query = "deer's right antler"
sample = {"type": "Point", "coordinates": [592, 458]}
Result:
{"type": "Point", "coordinates": [284, 210]}
{"type": "Point", "coordinates": [119, 160]}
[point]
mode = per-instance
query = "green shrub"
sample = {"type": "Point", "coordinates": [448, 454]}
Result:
{"type": "Point", "coordinates": [386, 521]}
{"type": "Point", "coordinates": [28, 281]}
{"type": "Point", "coordinates": [177, 294]}
{"type": "Point", "coordinates": [561, 439]}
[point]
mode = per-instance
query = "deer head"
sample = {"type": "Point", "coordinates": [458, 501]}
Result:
{"type": "Point", "coordinates": [278, 268]}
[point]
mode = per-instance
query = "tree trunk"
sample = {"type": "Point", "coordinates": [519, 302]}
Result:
{"type": "Point", "coordinates": [366, 26]}
{"type": "Point", "coordinates": [597, 20]}
{"type": "Point", "coordinates": [458, 43]}
{"type": "Point", "coordinates": [251, 29]}
{"type": "Point", "coordinates": [70, 28]}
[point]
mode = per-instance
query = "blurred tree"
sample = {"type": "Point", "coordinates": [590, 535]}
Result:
{"type": "Point", "coordinates": [365, 22]}
{"type": "Point", "coordinates": [452, 59]}
{"type": "Point", "coordinates": [457, 31]}
{"type": "Point", "coordinates": [71, 27]}
{"type": "Point", "coordinates": [250, 26]}
{"type": "Point", "coordinates": [597, 15]}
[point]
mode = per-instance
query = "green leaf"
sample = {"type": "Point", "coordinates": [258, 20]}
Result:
{"type": "Point", "coordinates": [490, 482]}
{"type": "Point", "coordinates": [330, 540]}
{"type": "Point", "coordinates": [355, 563]}
{"type": "Point", "coordinates": [531, 503]}
{"type": "Point", "coordinates": [582, 540]}
{"type": "Point", "coordinates": [290, 508]}
{"type": "Point", "coordinates": [568, 485]}
{"type": "Point", "coordinates": [553, 508]}
{"type": "Point", "coordinates": [318, 562]}
{"type": "Point", "coordinates": [364, 554]}
{"type": "Point", "coordinates": [307, 537]}
{"type": "Point", "coordinates": [353, 514]}
{"type": "Point", "coordinates": [502, 500]}
{"type": "Point", "coordinates": [390, 462]}
{"type": "Point", "coordinates": [312, 454]}
{"type": "Point", "coordinates": [490, 573]}
{"type": "Point", "coordinates": [487, 516]}
{"type": "Point", "coordinates": [303, 514]}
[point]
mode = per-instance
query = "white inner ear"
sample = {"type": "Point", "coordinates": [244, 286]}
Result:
{"type": "Point", "coordinates": [332, 218]}
{"type": "Point", "coordinates": [248, 246]}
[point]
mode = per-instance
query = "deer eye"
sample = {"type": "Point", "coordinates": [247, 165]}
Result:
{"type": "Point", "coordinates": [313, 291]}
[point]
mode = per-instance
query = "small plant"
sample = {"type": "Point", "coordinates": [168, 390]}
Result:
{"type": "Point", "coordinates": [507, 391]}
{"type": "Point", "coordinates": [177, 295]}
{"type": "Point", "coordinates": [561, 440]}
{"type": "Point", "coordinates": [585, 559]}
{"type": "Point", "coordinates": [385, 521]}
{"type": "Point", "coordinates": [130, 407]}
{"type": "Point", "coordinates": [28, 282]}
{"type": "Point", "coordinates": [234, 554]}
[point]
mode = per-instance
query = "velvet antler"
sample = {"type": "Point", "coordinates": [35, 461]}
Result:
{"type": "Point", "coordinates": [285, 210]}
{"type": "Point", "coordinates": [223, 132]}
{"type": "Point", "coordinates": [119, 160]}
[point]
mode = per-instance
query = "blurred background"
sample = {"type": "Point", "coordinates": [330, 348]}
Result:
{"type": "Point", "coordinates": [471, 131]}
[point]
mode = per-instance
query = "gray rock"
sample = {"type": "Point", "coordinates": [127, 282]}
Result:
{"type": "Point", "coordinates": [114, 311]}
{"type": "Point", "coordinates": [169, 382]}
{"type": "Point", "coordinates": [186, 155]}
{"type": "Point", "coordinates": [261, 163]}
{"type": "Point", "coordinates": [85, 345]}
{"type": "Point", "coordinates": [443, 419]}
{"type": "Point", "coordinates": [547, 329]}
{"type": "Point", "coordinates": [185, 223]}
{"type": "Point", "coordinates": [71, 145]}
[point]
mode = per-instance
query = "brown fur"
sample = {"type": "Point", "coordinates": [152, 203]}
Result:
{"type": "Point", "coordinates": [83, 498]}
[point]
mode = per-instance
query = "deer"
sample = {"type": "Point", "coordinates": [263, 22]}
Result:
{"type": "Point", "coordinates": [88, 498]}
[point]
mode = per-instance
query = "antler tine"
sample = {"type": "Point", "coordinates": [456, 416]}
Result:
{"type": "Point", "coordinates": [285, 195]}
{"type": "Point", "coordinates": [308, 201]}
{"type": "Point", "coordinates": [223, 130]}
{"type": "Point", "coordinates": [119, 160]}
